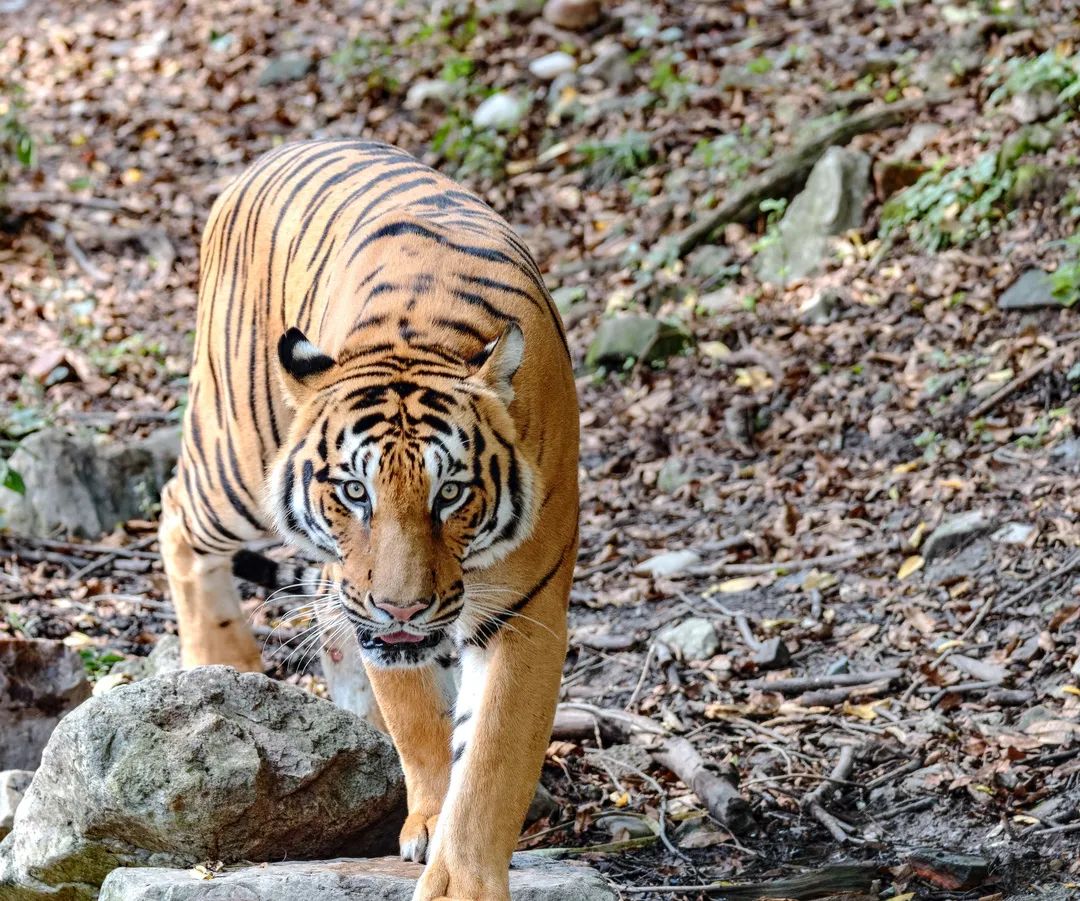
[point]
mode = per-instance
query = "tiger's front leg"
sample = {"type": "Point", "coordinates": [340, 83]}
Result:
{"type": "Point", "coordinates": [502, 727]}
{"type": "Point", "coordinates": [415, 705]}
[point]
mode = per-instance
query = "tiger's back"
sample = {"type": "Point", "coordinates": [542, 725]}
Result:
{"type": "Point", "coordinates": [341, 237]}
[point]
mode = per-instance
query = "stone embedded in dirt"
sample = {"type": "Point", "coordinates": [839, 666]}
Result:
{"type": "Point", "coordinates": [1013, 533]}
{"type": "Point", "coordinates": [500, 112]}
{"type": "Point", "coordinates": [381, 879]}
{"type": "Point", "coordinates": [921, 136]}
{"type": "Point", "coordinates": [40, 681]}
{"type": "Point", "coordinates": [772, 654]}
{"type": "Point", "coordinates": [438, 92]}
{"type": "Point", "coordinates": [830, 204]}
{"type": "Point", "coordinates": [623, 825]}
{"type": "Point", "coordinates": [13, 785]}
{"type": "Point", "coordinates": [552, 65]}
{"type": "Point", "coordinates": [573, 15]}
{"type": "Point", "coordinates": [208, 764]}
{"type": "Point", "coordinates": [622, 339]}
{"type": "Point", "coordinates": [543, 804]}
{"type": "Point", "coordinates": [667, 564]}
{"type": "Point", "coordinates": [821, 308]}
{"type": "Point", "coordinates": [610, 64]}
{"type": "Point", "coordinates": [692, 639]}
{"type": "Point", "coordinates": [79, 485]}
{"type": "Point", "coordinates": [955, 531]}
{"type": "Point", "coordinates": [285, 68]}
{"type": "Point", "coordinates": [1033, 290]}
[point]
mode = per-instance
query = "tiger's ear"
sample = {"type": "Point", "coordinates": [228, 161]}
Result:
{"type": "Point", "coordinates": [301, 362]}
{"type": "Point", "coordinates": [496, 364]}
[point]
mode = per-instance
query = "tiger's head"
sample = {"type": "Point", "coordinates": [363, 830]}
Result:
{"type": "Point", "coordinates": [402, 472]}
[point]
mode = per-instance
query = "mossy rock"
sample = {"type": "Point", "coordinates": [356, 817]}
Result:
{"type": "Point", "coordinates": [623, 339]}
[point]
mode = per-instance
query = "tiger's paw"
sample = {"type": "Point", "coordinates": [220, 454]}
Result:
{"type": "Point", "coordinates": [442, 882]}
{"type": "Point", "coordinates": [415, 836]}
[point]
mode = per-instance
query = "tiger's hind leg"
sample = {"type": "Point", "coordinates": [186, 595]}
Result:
{"type": "Point", "coordinates": [213, 628]}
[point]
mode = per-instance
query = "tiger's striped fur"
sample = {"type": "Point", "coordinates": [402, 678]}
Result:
{"type": "Point", "coordinates": [381, 376]}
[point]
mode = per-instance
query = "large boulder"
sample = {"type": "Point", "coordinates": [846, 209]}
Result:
{"type": "Point", "coordinates": [384, 879]}
{"type": "Point", "coordinates": [83, 485]}
{"type": "Point", "coordinates": [40, 681]}
{"type": "Point", "coordinates": [204, 765]}
{"type": "Point", "coordinates": [830, 204]}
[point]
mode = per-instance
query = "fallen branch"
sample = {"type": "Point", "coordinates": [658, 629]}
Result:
{"type": "Point", "coordinates": [817, 799]}
{"type": "Point", "coordinates": [35, 200]}
{"type": "Point", "coordinates": [815, 683]}
{"type": "Point", "coordinates": [762, 569]}
{"type": "Point", "coordinates": [1017, 383]}
{"type": "Point", "coordinates": [832, 880]}
{"type": "Point", "coordinates": [789, 173]}
{"type": "Point", "coordinates": [716, 791]}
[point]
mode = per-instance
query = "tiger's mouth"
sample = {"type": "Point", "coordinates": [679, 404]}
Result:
{"type": "Point", "coordinates": [401, 648]}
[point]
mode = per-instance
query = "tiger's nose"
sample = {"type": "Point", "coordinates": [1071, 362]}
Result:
{"type": "Point", "coordinates": [402, 614]}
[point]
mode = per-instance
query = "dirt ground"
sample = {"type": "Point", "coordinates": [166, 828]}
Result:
{"type": "Point", "coordinates": [804, 460]}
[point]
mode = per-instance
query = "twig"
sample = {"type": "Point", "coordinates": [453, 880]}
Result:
{"type": "Point", "coordinates": [832, 880]}
{"type": "Point", "coordinates": [813, 683]}
{"type": "Point", "coordinates": [761, 569]}
{"type": "Point", "coordinates": [1017, 383]}
{"type": "Point", "coordinates": [716, 792]}
{"type": "Point", "coordinates": [988, 605]}
{"type": "Point", "coordinates": [97, 277]}
{"type": "Point", "coordinates": [38, 199]}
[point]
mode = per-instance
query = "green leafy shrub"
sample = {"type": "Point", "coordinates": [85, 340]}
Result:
{"type": "Point", "coordinates": [16, 143]}
{"type": "Point", "coordinates": [950, 208]}
{"type": "Point", "coordinates": [617, 158]}
{"type": "Point", "coordinates": [1048, 72]}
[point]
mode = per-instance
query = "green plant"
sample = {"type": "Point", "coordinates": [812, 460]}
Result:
{"type": "Point", "coordinates": [951, 207]}
{"type": "Point", "coordinates": [774, 211]}
{"type": "Point", "coordinates": [98, 663]}
{"type": "Point", "coordinates": [617, 158]}
{"type": "Point", "coordinates": [1051, 71]}
{"type": "Point", "coordinates": [468, 151]}
{"type": "Point", "coordinates": [1065, 281]}
{"type": "Point", "coordinates": [16, 143]}
{"type": "Point", "coordinates": [667, 81]}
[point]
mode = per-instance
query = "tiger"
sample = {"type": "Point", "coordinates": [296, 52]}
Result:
{"type": "Point", "coordinates": [381, 378]}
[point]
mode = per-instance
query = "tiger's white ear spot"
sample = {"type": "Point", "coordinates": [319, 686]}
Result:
{"type": "Point", "coordinates": [500, 360]}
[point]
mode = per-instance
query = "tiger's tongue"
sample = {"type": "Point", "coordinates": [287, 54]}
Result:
{"type": "Point", "coordinates": [401, 638]}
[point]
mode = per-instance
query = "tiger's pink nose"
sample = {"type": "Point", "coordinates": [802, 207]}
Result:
{"type": "Point", "coordinates": [403, 614]}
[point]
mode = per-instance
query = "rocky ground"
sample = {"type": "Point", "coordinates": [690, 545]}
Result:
{"type": "Point", "coordinates": [830, 435]}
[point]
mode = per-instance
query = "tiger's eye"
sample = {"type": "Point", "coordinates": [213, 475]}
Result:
{"type": "Point", "coordinates": [450, 492]}
{"type": "Point", "coordinates": [354, 491]}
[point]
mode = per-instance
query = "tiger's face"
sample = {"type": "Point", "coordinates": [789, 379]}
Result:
{"type": "Point", "coordinates": [403, 476]}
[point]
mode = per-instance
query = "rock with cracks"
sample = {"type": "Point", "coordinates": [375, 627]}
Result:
{"type": "Point", "coordinates": [384, 879]}
{"type": "Point", "coordinates": [208, 764]}
{"type": "Point", "coordinates": [80, 485]}
{"type": "Point", "coordinates": [829, 205]}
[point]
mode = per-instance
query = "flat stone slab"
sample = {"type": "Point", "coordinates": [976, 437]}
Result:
{"type": "Point", "coordinates": [345, 879]}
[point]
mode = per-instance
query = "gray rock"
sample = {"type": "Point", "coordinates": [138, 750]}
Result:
{"type": "Point", "coordinates": [40, 681]}
{"type": "Point", "coordinates": [955, 531]}
{"type": "Point", "coordinates": [13, 785]}
{"type": "Point", "coordinates": [543, 805]}
{"type": "Point", "coordinates": [164, 658]}
{"type": "Point", "coordinates": [208, 764]}
{"type": "Point", "coordinates": [820, 308]}
{"type": "Point", "coordinates": [630, 825]}
{"type": "Point", "coordinates": [500, 112]}
{"type": "Point", "coordinates": [79, 485]}
{"type": "Point", "coordinates": [285, 68]}
{"type": "Point", "coordinates": [568, 295]}
{"type": "Point", "coordinates": [1013, 533]}
{"type": "Point", "coordinates": [573, 15]}
{"type": "Point", "coordinates": [692, 639]}
{"type": "Point", "coordinates": [382, 879]}
{"type": "Point", "coordinates": [667, 564]}
{"type": "Point", "coordinates": [552, 65]}
{"type": "Point", "coordinates": [435, 91]}
{"type": "Point", "coordinates": [623, 339]}
{"type": "Point", "coordinates": [1033, 290]}
{"type": "Point", "coordinates": [921, 136]}
{"type": "Point", "coordinates": [830, 204]}
{"type": "Point", "coordinates": [611, 65]}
